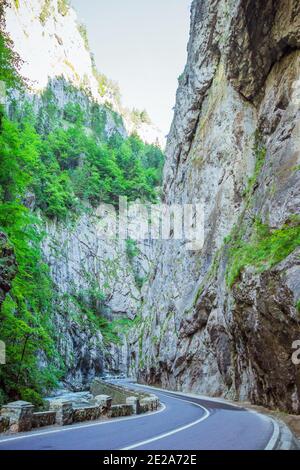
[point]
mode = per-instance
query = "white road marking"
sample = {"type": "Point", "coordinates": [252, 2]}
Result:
{"type": "Point", "coordinates": [175, 431]}
{"type": "Point", "coordinates": [276, 430]}
{"type": "Point", "coordinates": [83, 426]}
{"type": "Point", "coordinates": [275, 436]}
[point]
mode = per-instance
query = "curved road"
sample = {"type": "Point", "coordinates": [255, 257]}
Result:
{"type": "Point", "coordinates": [184, 423]}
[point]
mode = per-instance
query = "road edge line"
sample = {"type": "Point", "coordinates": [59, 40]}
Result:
{"type": "Point", "coordinates": [175, 431]}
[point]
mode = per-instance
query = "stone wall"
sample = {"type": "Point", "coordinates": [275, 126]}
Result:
{"type": "Point", "coordinates": [118, 411]}
{"type": "Point", "coordinates": [45, 418]}
{"type": "Point", "coordinates": [19, 416]}
{"type": "Point", "coordinates": [87, 413]}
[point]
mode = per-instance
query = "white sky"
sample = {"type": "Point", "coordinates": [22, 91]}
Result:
{"type": "Point", "coordinates": [141, 44]}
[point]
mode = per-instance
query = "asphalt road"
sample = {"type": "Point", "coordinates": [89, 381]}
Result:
{"type": "Point", "coordinates": [184, 423]}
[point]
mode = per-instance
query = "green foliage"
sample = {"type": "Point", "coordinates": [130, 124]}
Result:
{"type": "Point", "coordinates": [265, 248]}
{"type": "Point", "coordinates": [75, 167]}
{"type": "Point", "coordinates": [63, 7]}
{"type": "Point", "coordinates": [73, 113]}
{"type": "Point", "coordinates": [9, 62]}
{"type": "Point", "coordinates": [140, 117]}
{"type": "Point", "coordinates": [131, 249]}
{"type": "Point", "coordinates": [140, 281]}
{"type": "Point", "coordinates": [25, 324]}
{"type": "Point", "coordinates": [49, 114]}
{"type": "Point", "coordinates": [98, 121]}
{"type": "Point", "coordinates": [84, 34]}
{"type": "Point", "coordinates": [17, 4]}
{"type": "Point", "coordinates": [45, 12]}
{"type": "Point", "coordinates": [3, 398]}
{"type": "Point", "coordinates": [27, 394]}
{"type": "Point", "coordinates": [298, 305]}
{"type": "Point", "coordinates": [103, 82]}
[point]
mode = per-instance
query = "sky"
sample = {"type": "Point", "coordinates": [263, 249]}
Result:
{"type": "Point", "coordinates": [142, 45]}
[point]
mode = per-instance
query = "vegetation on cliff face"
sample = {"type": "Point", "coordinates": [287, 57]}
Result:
{"type": "Point", "coordinates": [75, 166]}
{"type": "Point", "coordinates": [25, 314]}
{"type": "Point", "coordinates": [265, 248]}
{"type": "Point", "coordinates": [52, 159]}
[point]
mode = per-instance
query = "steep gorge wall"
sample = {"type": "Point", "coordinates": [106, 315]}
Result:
{"type": "Point", "coordinates": [234, 144]}
{"type": "Point", "coordinates": [81, 263]}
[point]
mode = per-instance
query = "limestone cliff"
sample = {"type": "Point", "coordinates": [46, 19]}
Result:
{"type": "Point", "coordinates": [222, 321]}
{"type": "Point", "coordinates": [54, 47]}
{"type": "Point", "coordinates": [80, 264]}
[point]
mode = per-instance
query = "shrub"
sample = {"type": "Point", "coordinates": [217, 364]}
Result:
{"type": "Point", "coordinates": [30, 395]}
{"type": "Point", "coordinates": [73, 113]}
{"type": "Point", "coordinates": [84, 34]}
{"type": "Point", "coordinates": [45, 12]}
{"type": "Point", "coordinates": [63, 7]}
{"type": "Point", "coordinates": [131, 249]}
{"type": "Point", "coordinates": [3, 398]}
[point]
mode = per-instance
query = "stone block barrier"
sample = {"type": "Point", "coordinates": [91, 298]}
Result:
{"type": "Point", "coordinates": [64, 412]}
{"type": "Point", "coordinates": [4, 424]}
{"type": "Point", "coordinates": [135, 403]}
{"type": "Point", "coordinates": [104, 402]}
{"type": "Point", "coordinates": [45, 418]}
{"type": "Point", "coordinates": [19, 416]}
{"type": "Point", "coordinates": [86, 413]}
{"type": "Point", "coordinates": [117, 411]}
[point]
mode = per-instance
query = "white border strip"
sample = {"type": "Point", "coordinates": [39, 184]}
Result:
{"type": "Point", "coordinates": [82, 426]}
{"type": "Point", "coordinates": [276, 429]}
{"type": "Point", "coordinates": [175, 431]}
{"type": "Point", "coordinates": [275, 437]}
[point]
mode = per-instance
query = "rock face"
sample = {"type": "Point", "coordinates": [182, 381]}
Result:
{"type": "Point", "coordinates": [234, 145]}
{"type": "Point", "coordinates": [82, 263]}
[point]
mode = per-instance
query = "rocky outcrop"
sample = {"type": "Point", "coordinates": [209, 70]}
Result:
{"type": "Point", "coordinates": [234, 145]}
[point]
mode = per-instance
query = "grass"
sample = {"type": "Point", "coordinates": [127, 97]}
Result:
{"type": "Point", "coordinates": [265, 248]}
